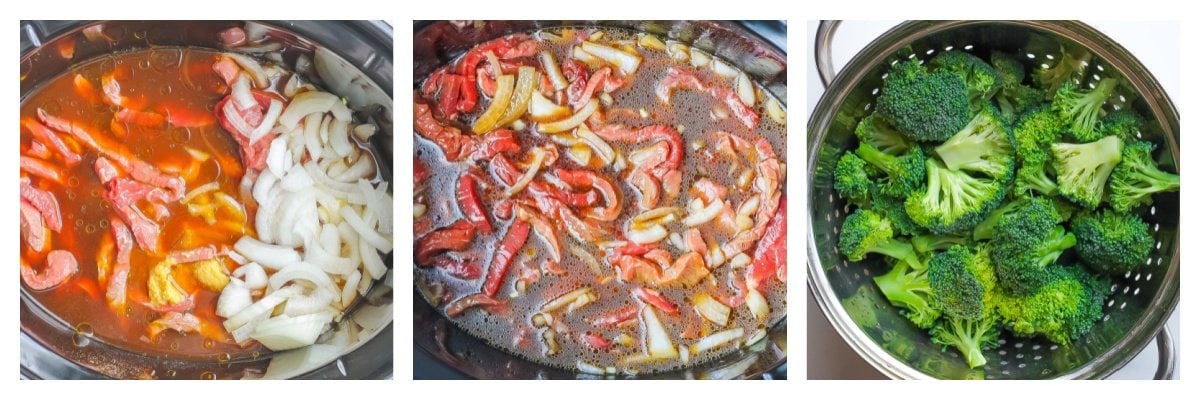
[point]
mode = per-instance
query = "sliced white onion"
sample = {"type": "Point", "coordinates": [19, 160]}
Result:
{"type": "Point", "coordinates": [378, 202]}
{"type": "Point", "coordinates": [252, 67]}
{"type": "Point", "coordinates": [348, 289]}
{"type": "Point", "coordinates": [316, 300]}
{"type": "Point", "coordinates": [602, 148]}
{"type": "Point", "coordinates": [269, 255]}
{"type": "Point", "coordinates": [296, 179]}
{"type": "Point", "coordinates": [365, 232]}
{"type": "Point", "coordinates": [361, 169]}
{"type": "Point", "coordinates": [704, 215]}
{"type": "Point", "coordinates": [199, 190]}
{"type": "Point", "coordinates": [240, 126]}
{"type": "Point", "coordinates": [658, 341]}
{"type": "Point", "coordinates": [625, 62]}
{"type": "Point", "coordinates": [711, 309]}
{"type": "Point", "coordinates": [304, 104]}
{"type": "Point", "coordinates": [241, 93]}
{"type": "Point", "coordinates": [234, 298]}
{"type": "Point", "coordinates": [716, 340]}
{"type": "Point", "coordinates": [584, 294]}
{"type": "Point", "coordinates": [301, 271]}
{"type": "Point", "coordinates": [266, 180]}
{"type": "Point", "coordinates": [268, 121]}
{"type": "Point", "coordinates": [758, 305]}
{"type": "Point", "coordinates": [651, 234]}
{"type": "Point", "coordinates": [539, 157]}
{"type": "Point", "coordinates": [285, 333]}
{"type": "Point", "coordinates": [364, 132]}
{"type": "Point", "coordinates": [264, 306]}
{"type": "Point", "coordinates": [277, 156]}
{"type": "Point", "coordinates": [330, 263]}
{"type": "Point", "coordinates": [254, 275]}
{"type": "Point", "coordinates": [371, 259]}
{"type": "Point", "coordinates": [339, 137]}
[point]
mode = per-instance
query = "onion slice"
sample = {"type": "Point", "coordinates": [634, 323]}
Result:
{"type": "Point", "coordinates": [572, 121]}
{"type": "Point", "coordinates": [491, 117]}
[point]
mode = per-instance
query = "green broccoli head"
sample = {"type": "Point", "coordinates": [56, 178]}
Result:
{"type": "Point", "coordinates": [1009, 67]}
{"type": "Point", "coordinates": [876, 131]}
{"type": "Point", "coordinates": [1035, 131]}
{"type": "Point", "coordinates": [1025, 241]}
{"type": "Point", "coordinates": [1138, 177]}
{"type": "Point", "coordinates": [1065, 308]}
{"type": "Point", "coordinates": [953, 201]}
{"type": "Point", "coordinates": [1069, 59]}
{"type": "Point", "coordinates": [960, 281]}
{"type": "Point", "coordinates": [928, 107]}
{"type": "Point", "coordinates": [866, 231]}
{"type": "Point", "coordinates": [902, 174]}
{"type": "Point", "coordinates": [969, 337]}
{"type": "Point", "coordinates": [851, 181]}
{"type": "Point", "coordinates": [987, 228]}
{"type": "Point", "coordinates": [1125, 124]}
{"type": "Point", "coordinates": [892, 208]}
{"type": "Point", "coordinates": [1083, 169]}
{"type": "Point", "coordinates": [985, 145]}
{"type": "Point", "coordinates": [1082, 109]}
{"type": "Point", "coordinates": [982, 80]}
{"type": "Point", "coordinates": [1112, 242]}
{"type": "Point", "coordinates": [908, 288]}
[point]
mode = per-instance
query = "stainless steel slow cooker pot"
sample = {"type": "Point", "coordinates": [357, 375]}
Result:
{"type": "Point", "coordinates": [360, 347]}
{"type": "Point", "coordinates": [444, 350]}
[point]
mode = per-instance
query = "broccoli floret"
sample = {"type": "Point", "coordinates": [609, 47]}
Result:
{"type": "Point", "coordinates": [956, 277]}
{"type": "Point", "coordinates": [908, 288]}
{"type": "Point", "coordinates": [986, 229]}
{"type": "Point", "coordinates": [963, 287]}
{"type": "Point", "coordinates": [1138, 177]}
{"type": "Point", "coordinates": [1025, 241]}
{"type": "Point", "coordinates": [902, 175]}
{"type": "Point", "coordinates": [1071, 59]}
{"type": "Point", "coordinates": [1083, 169]}
{"type": "Point", "coordinates": [1013, 98]}
{"type": "Point", "coordinates": [866, 231]}
{"type": "Point", "coordinates": [1034, 132]}
{"type": "Point", "coordinates": [1112, 242]}
{"type": "Point", "coordinates": [970, 337]}
{"type": "Point", "coordinates": [953, 201]}
{"type": "Point", "coordinates": [1124, 124]}
{"type": "Point", "coordinates": [985, 145]}
{"type": "Point", "coordinates": [924, 244]}
{"type": "Point", "coordinates": [851, 181]}
{"type": "Point", "coordinates": [1065, 308]}
{"type": "Point", "coordinates": [1082, 109]}
{"type": "Point", "coordinates": [875, 130]}
{"type": "Point", "coordinates": [982, 81]}
{"type": "Point", "coordinates": [893, 209]}
{"type": "Point", "coordinates": [928, 107]}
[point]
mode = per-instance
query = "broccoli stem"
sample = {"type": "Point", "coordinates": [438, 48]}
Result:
{"type": "Point", "coordinates": [879, 159]}
{"type": "Point", "coordinates": [901, 251]}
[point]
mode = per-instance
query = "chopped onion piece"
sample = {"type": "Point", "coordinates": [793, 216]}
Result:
{"type": "Point", "coordinates": [296, 179]}
{"type": "Point", "coordinates": [505, 84]}
{"type": "Point", "coordinates": [269, 255]}
{"type": "Point", "coordinates": [277, 156]}
{"type": "Point", "coordinates": [699, 58]}
{"type": "Point", "coordinates": [199, 190]}
{"type": "Point", "coordinates": [723, 69]}
{"type": "Point", "coordinates": [304, 104]}
{"type": "Point", "coordinates": [649, 235]}
{"type": "Point", "coordinates": [240, 126]}
{"type": "Point", "coordinates": [553, 71]}
{"type": "Point", "coordinates": [625, 62]}
{"type": "Point", "coordinates": [348, 289]}
{"type": "Point", "coordinates": [651, 42]}
{"type": "Point", "coordinates": [254, 275]}
{"type": "Point", "coordinates": [542, 109]}
{"type": "Point", "coordinates": [364, 131]}
{"type": "Point", "coordinates": [740, 260]}
{"type": "Point", "coordinates": [716, 340]}
{"type": "Point", "coordinates": [365, 232]}
{"type": "Point", "coordinates": [658, 341]}
{"type": "Point", "coordinates": [776, 111]}
{"type": "Point", "coordinates": [602, 148]}
{"type": "Point", "coordinates": [234, 298]}
{"type": "Point", "coordinates": [575, 299]}
{"type": "Point", "coordinates": [301, 271]}
{"type": "Point", "coordinates": [315, 301]}
{"type": "Point", "coordinates": [656, 214]}
{"type": "Point", "coordinates": [587, 258]}
{"type": "Point", "coordinates": [252, 67]}
{"type": "Point", "coordinates": [539, 158]}
{"type": "Point", "coordinates": [704, 215]}
{"type": "Point", "coordinates": [758, 305]}
{"type": "Point", "coordinates": [745, 89]}
{"type": "Point", "coordinates": [572, 121]}
{"type": "Point", "coordinates": [679, 52]}
{"type": "Point", "coordinates": [264, 306]}
{"type": "Point", "coordinates": [241, 93]}
{"type": "Point", "coordinates": [268, 121]}
{"type": "Point", "coordinates": [711, 309]}
{"type": "Point", "coordinates": [285, 333]}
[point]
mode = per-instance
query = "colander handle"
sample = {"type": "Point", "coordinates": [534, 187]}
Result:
{"type": "Point", "coordinates": [824, 48]}
{"type": "Point", "coordinates": [1166, 355]}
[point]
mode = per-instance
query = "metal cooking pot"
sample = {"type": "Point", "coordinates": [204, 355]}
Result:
{"type": "Point", "coordinates": [362, 53]}
{"type": "Point", "coordinates": [448, 352]}
{"type": "Point", "coordinates": [1140, 302]}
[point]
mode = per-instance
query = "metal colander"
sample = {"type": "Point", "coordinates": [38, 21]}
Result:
{"type": "Point", "coordinates": [1140, 302]}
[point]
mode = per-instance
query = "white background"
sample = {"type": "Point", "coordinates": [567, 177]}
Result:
{"type": "Point", "coordinates": [402, 12]}
{"type": "Point", "coordinates": [1156, 44]}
